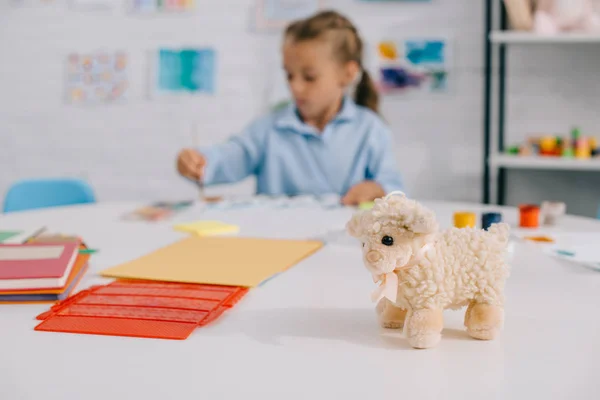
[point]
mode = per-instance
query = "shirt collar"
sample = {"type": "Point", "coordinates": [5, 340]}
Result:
{"type": "Point", "coordinates": [290, 119]}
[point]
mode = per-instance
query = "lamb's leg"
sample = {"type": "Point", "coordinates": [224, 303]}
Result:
{"type": "Point", "coordinates": [484, 321]}
{"type": "Point", "coordinates": [390, 316]}
{"type": "Point", "coordinates": [424, 327]}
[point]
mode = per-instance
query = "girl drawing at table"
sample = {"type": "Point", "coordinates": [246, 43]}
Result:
{"type": "Point", "coordinates": [328, 140]}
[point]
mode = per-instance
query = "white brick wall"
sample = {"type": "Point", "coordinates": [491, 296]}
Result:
{"type": "Point", "coordinates": [139, 139]}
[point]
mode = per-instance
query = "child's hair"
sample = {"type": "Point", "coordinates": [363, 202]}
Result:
{"type": "Point", "coordinates": [347, 46]}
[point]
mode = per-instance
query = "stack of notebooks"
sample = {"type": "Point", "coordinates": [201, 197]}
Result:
{"type": "Point", "coordinates": [41, 270]}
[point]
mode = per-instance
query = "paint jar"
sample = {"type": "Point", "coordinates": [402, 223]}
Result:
{"type": "Point", "coordinates": [551, 211]}
{"type": "Point", "coordinates": [529, 216]}
{"type": "Point", "coordinates": [464, 219]}
{"type": "Point", "coordinates": [490, 218]}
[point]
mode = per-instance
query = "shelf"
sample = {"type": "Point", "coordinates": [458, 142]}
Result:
{"type": "Point", "coordinates": [538, 162]}
{"type": "Point", "coordinates": [528, 37]}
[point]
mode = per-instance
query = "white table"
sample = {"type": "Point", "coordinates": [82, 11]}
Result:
{"type": "Point", "coordinates": [310, 333]}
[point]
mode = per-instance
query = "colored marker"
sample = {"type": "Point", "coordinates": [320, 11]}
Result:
{"type": "Point", "coordinates": [87, 251]}
{"type": "Point", "coordinates": [565, 253]}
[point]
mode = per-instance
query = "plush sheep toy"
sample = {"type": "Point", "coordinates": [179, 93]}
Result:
{"type": "Point", "coordinates": [422, 271]}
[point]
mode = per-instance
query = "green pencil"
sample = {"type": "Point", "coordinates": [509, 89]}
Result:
{"type": "Point", "coordinates": [87, 251]}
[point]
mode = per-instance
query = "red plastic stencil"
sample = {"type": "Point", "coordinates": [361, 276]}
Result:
{"type": "Point", "coordinates": [160, 310]}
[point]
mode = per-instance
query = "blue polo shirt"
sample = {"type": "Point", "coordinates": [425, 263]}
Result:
{"type": "Point", "coordinates": [289, 157]}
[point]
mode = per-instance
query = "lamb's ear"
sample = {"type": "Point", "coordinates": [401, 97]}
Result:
{"type": "Point", "coordinates": [424, 222]}
{"type": "Point", "coordinates": [355, 227]}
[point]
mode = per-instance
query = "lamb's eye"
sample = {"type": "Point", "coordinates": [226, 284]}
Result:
{"type": "Point", "coordinates": [387, 240]}
{"type": "Point", "coordinates": [363, 245]}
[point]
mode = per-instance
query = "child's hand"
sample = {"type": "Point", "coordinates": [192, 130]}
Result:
{"type": "Point", "coordinates": [363, 192]}
{"type": "Point", "coordinates": [191, 164]}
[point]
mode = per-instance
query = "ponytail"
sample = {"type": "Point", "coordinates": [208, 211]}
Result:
{"type": "Point", "coordinates": [366, 94]}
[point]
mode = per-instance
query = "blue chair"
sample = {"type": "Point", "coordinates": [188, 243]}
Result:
{"type": "Point", "coordinates": [47, 192]}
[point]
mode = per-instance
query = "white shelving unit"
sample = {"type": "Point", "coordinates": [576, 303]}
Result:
{"type": "Point", "coordinates": [544, 162]}
{"type": "Point", "coordinates": [520, 37]}
{"type": "Point", "coordinates": [499, 40]}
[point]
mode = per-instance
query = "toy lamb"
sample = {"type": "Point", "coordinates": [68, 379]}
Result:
{"type": "Point", "coordinates": [423, 271]}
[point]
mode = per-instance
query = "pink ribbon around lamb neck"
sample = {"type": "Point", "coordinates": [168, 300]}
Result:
{"type": "Point", "coordinates": [388, 286]}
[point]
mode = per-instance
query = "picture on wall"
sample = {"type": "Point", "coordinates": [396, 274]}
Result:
{"type": "Point", "coordinates": [158, 6]}
{"type": "Point", "coordinates": [31, 3]}
{"type": "Point", "coordinates": [416, 64]}
{"type": "Point", "coordinates": [91, 5]}
{"type": "Point", "coordinates": [96, 78]}
{"type": "Point", "coordinates": [396, 1]}
{"type": "Point", "coordinates": [183, 70]}
{"type": "Point", "coordinates": [276, 14]}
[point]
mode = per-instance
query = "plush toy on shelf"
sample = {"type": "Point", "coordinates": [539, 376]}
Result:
{"type": "Point", "coordinates": [555, 16]}
{"type": "Point", "coordinates": [550, 17]}
{"type": "Point", "coordinates": [421, 271]}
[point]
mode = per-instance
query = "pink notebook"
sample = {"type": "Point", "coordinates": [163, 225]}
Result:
{"type": "Point", "coordinates": [36, 265]}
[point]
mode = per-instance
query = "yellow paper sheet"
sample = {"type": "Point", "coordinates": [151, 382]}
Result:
{"type": "Point", "coordinates": [217, 260]}
{"type": "Point", "coordinates": [207, 228]}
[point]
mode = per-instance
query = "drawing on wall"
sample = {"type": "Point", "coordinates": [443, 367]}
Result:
{"type": "Point", "coordinates": [275, 14]}
{"type": "Point", "coordinates": [413, 65]}
{"type": "Point", "coordinates": [157, 6]}
{"type": "Point", "coordinates": [96, 78]}
{"type": "Point", "coordinates": [179, 71]}
{"type": "Point", "coordinates": [396, 1]}
{"type": "Point", "coordinates": [25, 3]}
{"type": "Point", "coordinates": [91, 5]}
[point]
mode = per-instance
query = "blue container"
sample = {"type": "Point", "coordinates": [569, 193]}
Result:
{"type": "Point", "coordinates": [487, 219]}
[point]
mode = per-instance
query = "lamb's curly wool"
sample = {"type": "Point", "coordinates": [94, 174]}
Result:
{"type": "Point", "coordinates": [436, 270]}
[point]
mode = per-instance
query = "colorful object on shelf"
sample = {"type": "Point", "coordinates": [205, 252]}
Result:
{"type": "Point", "coordinates": [489, 218]}
{"type": "Point", "coordinates": [529, 216]}
{"type": "Point", "coordinates": [593, 144]}
{"type": "Point", "coordinates": [572, 145]}
{"type": "Point", "coordinates": [582, 148]}
{"type": "Point", "coordinates": [567, 149]}
{"type": "Point", "coordinates": [143, 309]}
{"type": "Point", "coordinates": [551, 211]}
{"type": "Point", "coordinates": [548, 146]}
{"type": "Point", "coordinates": [464, 219]}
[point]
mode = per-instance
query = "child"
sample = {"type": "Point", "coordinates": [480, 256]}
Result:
{"type": "Point", "coordinates": [326, 142]}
